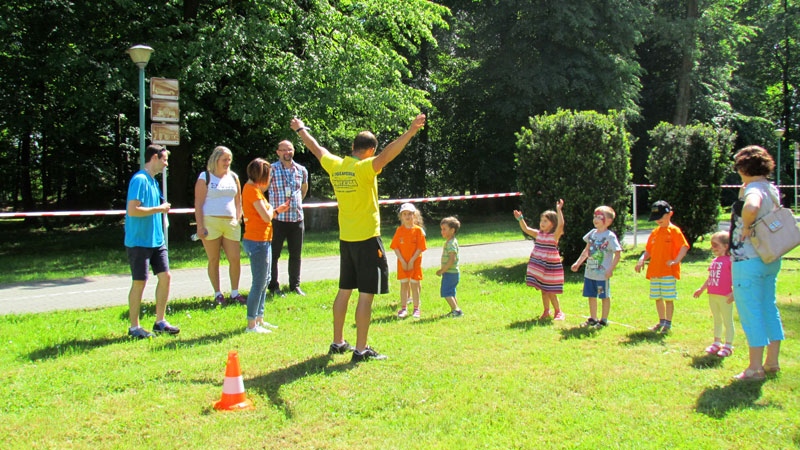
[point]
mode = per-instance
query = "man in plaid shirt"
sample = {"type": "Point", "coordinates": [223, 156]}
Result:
{"type": "Point", "coordinates": [289, 183]}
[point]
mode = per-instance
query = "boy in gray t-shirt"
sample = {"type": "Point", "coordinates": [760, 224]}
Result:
{"type": "Point", "coordinates": [602, 254]}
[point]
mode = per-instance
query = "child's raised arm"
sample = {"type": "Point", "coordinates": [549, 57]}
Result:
{"type": "Point", "coordinates": [560, 227]}
{"type": "Point", "coordinates": [524, 226]}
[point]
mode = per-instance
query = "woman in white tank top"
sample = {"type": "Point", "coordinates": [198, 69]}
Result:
{"type": "Point", "coordinates": [218, 211]}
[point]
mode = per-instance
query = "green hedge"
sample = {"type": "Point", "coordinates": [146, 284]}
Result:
{"type": "Point", "coordinates": [582, 157]}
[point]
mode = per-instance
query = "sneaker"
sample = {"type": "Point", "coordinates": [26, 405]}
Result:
{"type": "Point", "coordinates": [559, 316]}
{"type": "Point", "coordinates": [416, 314]}
{"type": "Point", "coordinates": [340, 348]}
{"type": "Point", "coordinates": [165, 327]}
{"type": "Point", "coordinates": [403, 313]}
{"type": "Point", "coordinates": [665, 329]}
{"type": "Point", "coordinates": [456, 313]}
{"type": "Point", "coordinates": [239, 298]}
{"type": "Point", "coordinates": [591, 322]}
{"type": "Point", "coordinates": [367, 354]}
{"type": "Point", "coordinates": [140, 333]}
{"type": "Point", "coordinates": [257, 329]}
{"type": "Point", "coordinates": [601, 323]}
{"type": "Point", "coordinates": [220, 300]}
{"type": "Point", "coordinates": [268, 325]}
{"type": "Point", "coordinates": [277, 293]}
{"type": "Point", "coordinates": [545, 315]}
{"type": "Point", "coordinates": [657, 327]}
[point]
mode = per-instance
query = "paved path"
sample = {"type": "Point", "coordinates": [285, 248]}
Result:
{"type": "Point", "coordinates": [112, 290]}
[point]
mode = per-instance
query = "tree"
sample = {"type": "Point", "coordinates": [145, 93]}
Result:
{"type": "Point", "coordinates": [688, 164]}
{"type": "Point", "coordinates": [521, 58]}
{"type": "Point", "coordinates": [581, 157]}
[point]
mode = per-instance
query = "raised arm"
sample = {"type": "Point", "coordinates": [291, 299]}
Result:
{"type": "Point", "coordinates": [308, 140]}
{"type": "Point", "coordinates": [560, 227]}
{"type": "Point", "coordinates": [394, 148]}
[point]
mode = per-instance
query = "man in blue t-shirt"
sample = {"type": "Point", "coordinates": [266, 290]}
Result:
{"type": "Point", "coordinates": [144, 241]}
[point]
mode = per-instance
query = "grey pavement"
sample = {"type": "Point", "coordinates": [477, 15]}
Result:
{"type": "Point", "coordinates": [112, 290]}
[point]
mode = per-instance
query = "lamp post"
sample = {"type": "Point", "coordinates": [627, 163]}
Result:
{"type": "Point", "coordinates": [779, 134]}
{"type": "Point", "coordinates": [140, 55]}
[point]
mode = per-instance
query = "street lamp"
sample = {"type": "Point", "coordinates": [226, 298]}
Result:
{"type": "Point", "coordinates": [140, 55]}
{"type": "Point", "coordinates": [779, 134]}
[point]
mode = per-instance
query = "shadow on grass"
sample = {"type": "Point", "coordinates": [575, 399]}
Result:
{"type": "Point", "coordinates": [192, 304]}
{"type": "Point", "coordinates": [505, 274]}
{"type": "Point", "coordinates": [716, 402]}
{"type": "Point", "coordinates": [74, 346]}
{"type": "Point", "coordinates": [578, 332]}
{"type": "Point", "coordinates": [530, 323]}
{"type": "Point", "coordinates": [642, 337]}
{"type": "Point", "coordinates": [78, 346]}
{"type": "Point", "coordinates": [706, 361]}
{"type": "Point", "coordinates": [271, 383]}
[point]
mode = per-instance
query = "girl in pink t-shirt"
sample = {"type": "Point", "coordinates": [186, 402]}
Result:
{"type": "Point", "coordinates": [720, 294]}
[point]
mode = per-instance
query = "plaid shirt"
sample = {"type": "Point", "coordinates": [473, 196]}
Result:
{"type": "Point", "coordinates": [291, 180]}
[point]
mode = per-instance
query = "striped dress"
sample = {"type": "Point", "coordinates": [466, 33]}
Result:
{"type": "Point", "coordinates": [545, 271]}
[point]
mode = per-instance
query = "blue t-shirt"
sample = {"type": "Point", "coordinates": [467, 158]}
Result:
{"type": "Point", "coordinates": [145, 231]}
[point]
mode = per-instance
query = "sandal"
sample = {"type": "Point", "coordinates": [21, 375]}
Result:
{"type": "Point", "coordinates": [750, 375]}
{"type": "Point", "coordinates": [772, 369]}
{"type": "Point", "coordinates": [713, 349]}
{"type": "Point", "coordinates": [725, 351]}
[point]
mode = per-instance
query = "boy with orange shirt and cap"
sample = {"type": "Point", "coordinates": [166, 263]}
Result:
{"type": "Point", "coordinates": [665, 249]}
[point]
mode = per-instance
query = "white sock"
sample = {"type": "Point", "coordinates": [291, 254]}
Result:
{"type": "Point", "coordinates": [234, 292]}
{"type": "Point", "coordinates": [217, 293]}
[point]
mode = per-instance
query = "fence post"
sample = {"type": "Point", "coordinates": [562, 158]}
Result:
{"type": "Point", "coordinates": [635, 231]}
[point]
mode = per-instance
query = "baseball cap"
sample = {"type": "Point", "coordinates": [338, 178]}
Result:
{"type": "Point", "coordinates": [407, 207]}
{"type": "Point", "coordinates": [659, 209]}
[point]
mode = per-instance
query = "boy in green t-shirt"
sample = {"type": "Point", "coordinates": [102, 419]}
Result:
{"type": "Point", "coordinates": [449, 270]}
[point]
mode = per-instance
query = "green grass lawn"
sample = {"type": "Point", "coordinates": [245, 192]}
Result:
{"type": "Point", "coordinates": [496, 378]}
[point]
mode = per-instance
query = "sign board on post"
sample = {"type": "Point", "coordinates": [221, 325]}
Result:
{"type": "Point", "coordinates": [164, 88]}
{"type": "Point", "coordinates": [164, 111]}
{"type": "Point", "coordinates": [165, 133]}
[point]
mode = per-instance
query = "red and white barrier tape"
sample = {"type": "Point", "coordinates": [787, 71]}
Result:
{"type": "Point", "coordinates": [305, 205]}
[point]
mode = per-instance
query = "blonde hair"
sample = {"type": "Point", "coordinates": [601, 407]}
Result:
{"type": "Point", "coordinates": [216, 155]}
{"type": "Point", "coordinates": [607, 211]}
{"type": "Point", "coordinates": [724, 238]}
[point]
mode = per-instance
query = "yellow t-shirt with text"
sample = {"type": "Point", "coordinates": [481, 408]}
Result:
{"type": "Point", "coordinates": [355, 183]}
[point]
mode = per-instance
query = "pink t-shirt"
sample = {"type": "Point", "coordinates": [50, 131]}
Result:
{"type": "Point", "coordinates": [719, 276]}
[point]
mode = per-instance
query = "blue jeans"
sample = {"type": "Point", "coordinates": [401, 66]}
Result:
{"type": "Point", "coordinates": [260, 254]}
{"type": "Point", "coordinates": [754, 293]}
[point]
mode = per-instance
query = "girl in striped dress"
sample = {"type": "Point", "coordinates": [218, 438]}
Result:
{"type": "Point", "coordinates": [545, 271]}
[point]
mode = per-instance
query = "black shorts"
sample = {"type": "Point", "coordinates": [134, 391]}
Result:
{"type": "Point", "coordinates": [363, 266]}
{"type": "Point", "coordinates": [140, 258]}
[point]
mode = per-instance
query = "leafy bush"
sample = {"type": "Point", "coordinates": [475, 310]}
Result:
{"type": "Point", "coordinates": [582, 157]}
{"type": "Point", "coordinates": [688, 165]}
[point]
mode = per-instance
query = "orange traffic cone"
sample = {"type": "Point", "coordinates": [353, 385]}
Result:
{"type": "Point", "coordinates": [233, 398]}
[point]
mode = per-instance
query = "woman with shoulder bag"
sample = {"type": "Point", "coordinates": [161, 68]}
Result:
{"type": "Point", "coordinates": [754, 282]}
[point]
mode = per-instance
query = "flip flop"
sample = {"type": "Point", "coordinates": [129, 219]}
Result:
{"type": "Point", "coordinates": [750, 375]}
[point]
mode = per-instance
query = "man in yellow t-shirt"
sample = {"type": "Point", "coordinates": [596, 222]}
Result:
{"type": "Point", "coordinates": [362, 260]}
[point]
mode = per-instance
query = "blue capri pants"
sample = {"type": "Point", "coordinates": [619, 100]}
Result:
{"type": "Point", "coordinates": [754, 285]}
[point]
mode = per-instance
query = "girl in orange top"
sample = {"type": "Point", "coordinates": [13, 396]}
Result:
{"type": "Point", "coordinates": [257, 241]}
{"type": "Point", "coordinates": [408, 244]}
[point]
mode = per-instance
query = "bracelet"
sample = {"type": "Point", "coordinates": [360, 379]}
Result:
{"type": "Point", "coordinates": [301, 129]}
{"type": "Point", "coordinates": [519, 219]}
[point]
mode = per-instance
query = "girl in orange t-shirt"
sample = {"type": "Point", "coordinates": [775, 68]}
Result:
{"type": "Point", "coordinates": [257, 240]}
{"type": "Point", "coordinates": [408, 244]}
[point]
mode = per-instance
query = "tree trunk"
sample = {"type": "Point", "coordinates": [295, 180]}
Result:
{"type": "Point", "coordinates": [684, 99]}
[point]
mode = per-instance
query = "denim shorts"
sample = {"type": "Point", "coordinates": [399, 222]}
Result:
{"type": "Point", "coordinates": [449, 283]}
